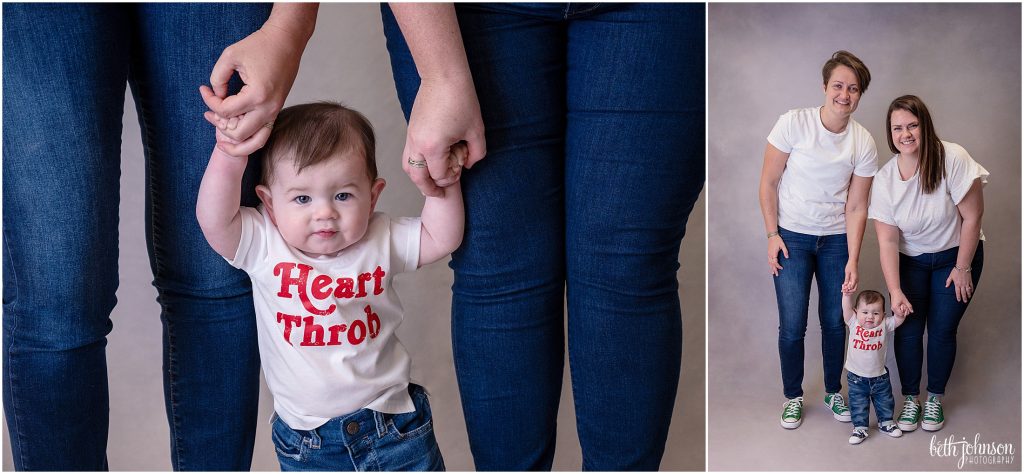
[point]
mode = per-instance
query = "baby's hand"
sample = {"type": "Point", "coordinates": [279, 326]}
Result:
{"type": "Point", "coordinates": [457, 155]}
{"type": "Point", "coordinates": [222, 138]}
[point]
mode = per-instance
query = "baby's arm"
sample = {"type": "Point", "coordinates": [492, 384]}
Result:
{"type": "Point", "coordinates": [218, 209]}
{"type": "Point", "coordinates": [443, 218]}
{"type": "Point", "coordinates": [848, 310]}
{"type": "Point", "coordinates": [899, 318]}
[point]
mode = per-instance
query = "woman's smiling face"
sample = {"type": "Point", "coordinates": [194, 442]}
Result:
{"type": "Point", "coordinates": [906, 132]}
{"type": "Point", "coordinates": [842, 92]}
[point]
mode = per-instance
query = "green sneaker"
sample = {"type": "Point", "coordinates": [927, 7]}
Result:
{"type": "Point", "coordinates": [835, 403]}
{"type": "Point", "coordinates": [910, 416]}
{"type": "Point", "coordinates": [793, 413]}
{"type": "Point", "coordinates": [933, 419]}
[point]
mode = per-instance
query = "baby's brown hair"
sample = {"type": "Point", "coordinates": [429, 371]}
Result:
{"type": "Point", "coordinates": [309, 134]}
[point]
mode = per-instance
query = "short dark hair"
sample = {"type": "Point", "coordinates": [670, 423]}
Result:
{"type": "Point", "coordinates": [846, 58]}
{"type": "Point", "coordinates": [931, 154]}
{"type": "Point", "coordinates": [309, 134]}
{"type": "Point", "coordinates": [869, 297]}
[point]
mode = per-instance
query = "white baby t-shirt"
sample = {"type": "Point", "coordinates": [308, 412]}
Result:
{"type": "Point", "coordinates": [326, 326]}
{"type": "Point", "coordinates": [928, 223]}
{"type": "Point", "coordinates": [816, 181]}
{"type": "Point", "coordinates": [865, 351]}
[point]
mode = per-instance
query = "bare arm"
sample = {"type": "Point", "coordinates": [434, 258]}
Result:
{"type": "Point", "coordinates": [446, 110]}
{"type": "Point", "coordinates": [856, 221]}
{"type": "Point", "coordinates": [443, 218]}
{"type": "Point", "coordinates": [768, 193]}
{"type": "Point", "coordinates": [848, 310]}
{"type": "Point", "coordinates": [217, 208]}
{"type": "Point", "coordinates": [971, 208]}
{"type": "Point", "coordinates": [889, 253]}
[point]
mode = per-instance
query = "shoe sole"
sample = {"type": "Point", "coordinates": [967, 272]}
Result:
{"type": "Point", "coordinates": [893, 435]}
{"type": "Point", "coordinates": [907, 428]}
{"type": "Point", "coordinates": [791, 425]}
{"type": "Point", "coordinates": [842, 418]}
{"type": "Point", "coordinates": [932, 426]}
{"type": "Point", "coordinates": [859, 441]}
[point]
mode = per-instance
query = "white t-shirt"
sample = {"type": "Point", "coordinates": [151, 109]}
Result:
{"type": "Point", "coordinates": [326, 326]}
{"type": "Point", "coordinates": [814, 185]}
{"type": "Point", "coordinates": [928, 223]}
{"type": "Point", "coordinates": [865, 351]}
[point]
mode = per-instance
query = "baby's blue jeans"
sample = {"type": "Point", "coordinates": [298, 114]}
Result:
{"type": "Point", "coordinates": [365, 440]}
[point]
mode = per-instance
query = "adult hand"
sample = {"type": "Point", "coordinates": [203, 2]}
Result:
{"type": "Point", "coordinates": [776, 245]}
{"type": "Point", "coordinates": [962, 284]}
{"type": "Point", "coordinates": [900, 304]}
{"type": "Point", "coordinates": [267, 62]}
{"type": "Point", "coordinates": [851, 280]}
{"type": "Point", "coordinates": [444, 113]}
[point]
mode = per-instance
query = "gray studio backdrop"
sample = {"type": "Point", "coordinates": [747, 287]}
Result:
{"type": "Point", "coordinates": [346, 60]}
{"type": "Point", "coordinates": [964, 62]}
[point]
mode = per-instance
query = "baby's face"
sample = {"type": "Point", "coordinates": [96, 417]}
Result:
{"type": "Point", "coordinates": [325, 208]}
{"type": "Point", "coordinates": [870, 315]}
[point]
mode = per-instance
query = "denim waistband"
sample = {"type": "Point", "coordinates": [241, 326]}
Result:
{"type": "Point", "coordinates": [869, 379]}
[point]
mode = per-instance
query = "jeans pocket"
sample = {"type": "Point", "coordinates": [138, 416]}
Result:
{"type": "Point", "coordinates": [287, 442]}
{"type": "Point", "coordinates": [413, 424]}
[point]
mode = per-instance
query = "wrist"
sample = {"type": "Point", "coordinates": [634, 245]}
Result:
{"type": "Point", "coordinates": [962, 268]}
{"type": "Point", "coordinates": [774, 233]}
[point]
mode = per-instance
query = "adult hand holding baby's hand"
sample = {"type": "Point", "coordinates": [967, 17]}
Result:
{"type": "Point", "coordinates": [267, 62]}
{"type": "Point", "coordinates": [445, 113]}
{"type": "Point", "coordinates": [900, 304]}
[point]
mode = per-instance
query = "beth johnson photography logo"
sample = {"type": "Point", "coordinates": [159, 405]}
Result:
{"type": "Point", "coordinates": [972, 451]}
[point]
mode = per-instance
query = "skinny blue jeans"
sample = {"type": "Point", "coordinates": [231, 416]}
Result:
{"type": "Point", "coordinates": [822, 258]}
{"type": "Point", "coordinates": [65, 68]}
{"type": "Point", "coordinates": [923, 280]}
{"type": "Point", "coordinates": [594, 119]}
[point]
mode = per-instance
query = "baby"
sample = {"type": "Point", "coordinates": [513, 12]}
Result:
{"type": "Point", "coordinates": [322, 263]}
{"type": "Point", "coordinates": [867, 377]}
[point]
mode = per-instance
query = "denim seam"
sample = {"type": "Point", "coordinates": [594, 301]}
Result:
{"type": "Point", "coordinates": [588, 10]}
{"type": "Point", "coordinates": [172, 396]}
{"type": "Point", "coordinates": [20, 454]}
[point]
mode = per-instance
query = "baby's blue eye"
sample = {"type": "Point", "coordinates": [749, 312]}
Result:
{"type": "Point", "coordinates": [342, 196]}
{"type": "Point", "coordinates": [302, 199]}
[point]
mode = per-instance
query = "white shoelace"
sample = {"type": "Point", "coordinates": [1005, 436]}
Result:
{"type": "Point", "coordinates": [910, 410]}
{"type": "Point", "coordinates": [932, 410]}
{"type": "Point", "coordinates": [793, 408]}
{"type": "Point", "coordinates": [839, 402]}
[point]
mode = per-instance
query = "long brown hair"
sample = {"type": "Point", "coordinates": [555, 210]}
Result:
{"type": "Point", "coordinates": [932, 154]}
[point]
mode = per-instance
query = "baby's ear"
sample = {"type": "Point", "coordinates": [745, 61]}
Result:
{"type": "Point", "coordinates": [375, 189]}
{"type": "Point", "coordinates": [268, 201]}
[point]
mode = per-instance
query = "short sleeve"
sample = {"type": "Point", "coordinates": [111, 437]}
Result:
{"type": "Point", "coordinates": [405, 244]}
{"type": "Point", "coordinates": [252, 246]}
{"type": "Point", "coordinates": [961, 171]}
{"type": "Point", "coordinates": [781, 136]}
{"type": "Point", "coordinates": [866, 162]}
{"type": "Point", "coordinates": [880, 206]}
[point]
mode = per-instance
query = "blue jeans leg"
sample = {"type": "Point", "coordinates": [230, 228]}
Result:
{"type": "Point", "coordinates": [824, 259]}
{"type": "Point", "coordinates": [923, 280]}
{"type": "Point", "coordinates": [59, 291]}
{"type": "Point", "coordinates": [579, 217]}
{"type": "Point", "coordinates": [860, 399]}
{"type": "Point", "coordinates": [881, 397]}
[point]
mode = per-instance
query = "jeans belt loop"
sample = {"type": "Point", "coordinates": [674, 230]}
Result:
{"type": "Point", "coordinates": [382, 428]}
